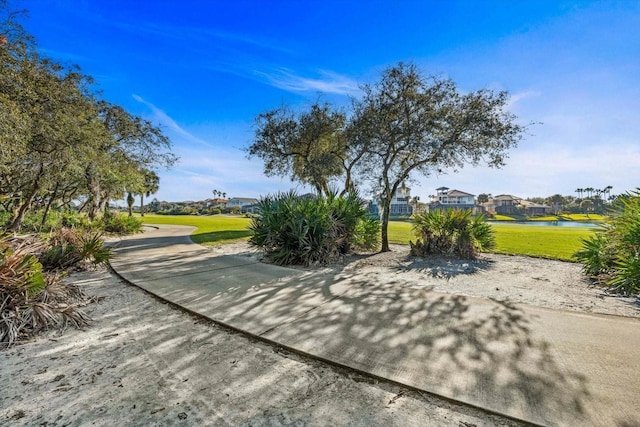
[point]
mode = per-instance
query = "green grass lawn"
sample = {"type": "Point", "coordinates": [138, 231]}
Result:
{"type": "Point", "coordinates": [212, 230]}
{"type": "Point", "coordinates": [548, 242]}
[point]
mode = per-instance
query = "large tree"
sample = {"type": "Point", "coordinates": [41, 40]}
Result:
{"type": "Point", "coordinates": [408, 124]}
{"type": "Point", "coordinates": [403, 126]}
{"type": "Point", "coordinates": [58, 142]}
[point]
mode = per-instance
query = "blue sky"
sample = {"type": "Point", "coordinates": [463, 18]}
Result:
{"type": "Point", "coordinates": [204, 69]}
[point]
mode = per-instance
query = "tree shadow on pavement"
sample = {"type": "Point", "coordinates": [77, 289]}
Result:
{"type": "Point", "coordinates": [478, 351]}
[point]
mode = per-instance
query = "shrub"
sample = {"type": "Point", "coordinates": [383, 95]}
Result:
{"type": "Point", "coordinates": [451, 232]}
{"type": "Point", "coordinates": [30, 299]}
{"type": "Point", "coordinates": [612, 256]}
{"type": "Point", "coordinates": [74, 219]}
{"type": "Point", "coordinates": [121, 224]}
{"type": "Point", "coordinates": [73, 248]}
{"type": "Point", "coordinates": [367, 234]}
{"type": "Point", "coordinates": [293, 230]}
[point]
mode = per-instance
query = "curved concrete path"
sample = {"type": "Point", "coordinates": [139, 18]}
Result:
{"type": "Point", "coordinates": [543, 366]}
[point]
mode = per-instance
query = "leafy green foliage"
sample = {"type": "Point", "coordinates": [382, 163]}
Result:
{"type": "Point", "coordinates": [309, 147]}
{"type": "Point", "coordinates": [121, 224]}
{"type": "Point", "coordinates": [544, 242]}
{"type": "Point", "coordinates": [294, 230]}
{"type": "Point", "coordinates": [612, 256]}
{"type": "Point", "coordinates": [367, 234]}
{"type": "Point", "coordinates": [58, 142]}
{"type": "Point", "coordinates": [451, 232]}
{"type": "Point", "coordinates": [72, 248]}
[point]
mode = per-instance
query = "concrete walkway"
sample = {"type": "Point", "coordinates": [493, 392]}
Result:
{"type": "Point", "coordinates": [543, 366]}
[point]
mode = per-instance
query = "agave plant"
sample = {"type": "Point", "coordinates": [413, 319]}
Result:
{"type": "Point", "coordinates": [451, 232]}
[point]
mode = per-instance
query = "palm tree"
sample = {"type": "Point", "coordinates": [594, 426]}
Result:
{"type": "Point", "coordinates": [607, 192]}
{"type": "Point", "coordinates": [589, 191]}
{"type": "Point", "coordinates": [580, 191]}
{"type": "Point", "coordinates": [151, 186]}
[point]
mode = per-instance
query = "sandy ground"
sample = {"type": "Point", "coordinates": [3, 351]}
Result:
{"type": "Point", "coordinates": [143, 362]}
{"type": "Point", "coordinates": [518, 279]}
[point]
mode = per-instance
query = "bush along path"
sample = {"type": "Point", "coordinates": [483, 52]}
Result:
{"type": "Point", "coordinates": [33, 294]}
{"type": "Point", "coordinates": [307, 231]}
{"type": "Point", "coordinates": [612, 255]}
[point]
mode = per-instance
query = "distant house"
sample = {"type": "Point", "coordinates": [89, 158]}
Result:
{"type": "Point", "coordinates": [400, 205]}
{"type": "Point", "coordinates": [531, 208]}
{"type": "Point", "coordinates": [503, 204]}
{"type": "Point", "coordinates": [506, 204]}
{"type": "Point", "coordinates": [241, 202]}
{"type": "Point", "coordinates": [453, 199]}
{"type": "Point", "coordinates": [217, 203]}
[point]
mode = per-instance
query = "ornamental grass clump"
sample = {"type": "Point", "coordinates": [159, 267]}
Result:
{"type": "Point", "coordinates": [31, 298]}
{"type": "Point", "coordinates": [612, 256]}
{"type": "Point", "coordinates": [451, 232]}
{"type": "Point", "coordinates": [293, 230]}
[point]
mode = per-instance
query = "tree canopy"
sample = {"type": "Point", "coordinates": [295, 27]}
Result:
{"type": "Point", "coordinates": [308, 147]}
{"type": "Point", "coordinates": [404, 125]}
{"type": "Point", "coordinates": [58, 141]}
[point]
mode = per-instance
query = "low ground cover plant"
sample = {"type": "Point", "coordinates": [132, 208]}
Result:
{"type": "Point", "coordinates": [612, 256]}
{"type": "Point", "coordinates": [33, 296]}
{"type": "Point", "coordinates": [293, 230]}
{"type": "Point", "coordinates": [451, 232]}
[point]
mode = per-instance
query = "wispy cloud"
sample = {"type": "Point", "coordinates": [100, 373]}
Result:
{"type": "Point", "coordinates": [327, 82]}
{"type": "Point", "coordinates": [198, 36]}
{"type": "Point", "coordinates": [519, 96]}
{"type": "Point", "coordinates": [164, 119]}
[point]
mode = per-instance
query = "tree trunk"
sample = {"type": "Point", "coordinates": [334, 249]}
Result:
{"type": "Point", "coordinates": [16, 222]}
{"type": "Point", "coordinates": [48, 207]}
{"type": "Point", "coordinates": [142, 205]}
{"type": "Point", "coordinates": [385, 225]}
{"type": "Point", "coordinates": [94, 192]}
{"type": "Point", "coordinates": [130, 202]}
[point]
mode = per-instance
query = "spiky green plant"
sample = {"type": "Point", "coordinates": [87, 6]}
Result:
{"type": "Point", "coordinates": [451, 232]}
{"type": "Point", "coordinates": [612, 256]}
{"type": "Point", "coordinates": [293, 230]}
{"type": "Point", "coordinates": [72, 248]}
{"type": "Point", "coordinates": [30, 298]}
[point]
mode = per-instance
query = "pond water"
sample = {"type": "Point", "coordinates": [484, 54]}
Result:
{"type": "Point", "coordinates": [549, 223]}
